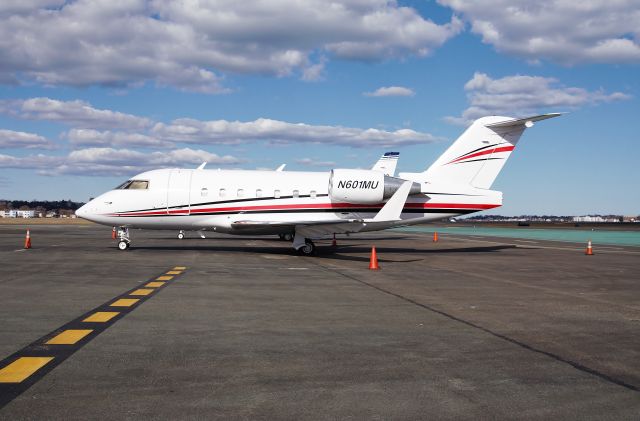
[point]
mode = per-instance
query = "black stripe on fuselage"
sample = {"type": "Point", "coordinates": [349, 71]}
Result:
{"type": "Point", "coordinates": [476, 160]}
{"type": "Point", "coordinates": [477, 150]}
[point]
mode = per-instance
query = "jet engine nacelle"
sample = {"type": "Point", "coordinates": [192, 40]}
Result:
{"type": "Point", "coordinates": [364, 187]}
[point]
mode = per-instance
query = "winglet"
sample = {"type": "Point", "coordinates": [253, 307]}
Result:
{"type": "Point", "coordinates": [393, 208]}
{"type": "Point", "coordinates": [280, 168]}
{"type": "Point", "coordinates": [201, 167]}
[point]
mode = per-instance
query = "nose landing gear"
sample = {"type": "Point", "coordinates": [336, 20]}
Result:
{"type": "Point", "coordinates": [124, 242]}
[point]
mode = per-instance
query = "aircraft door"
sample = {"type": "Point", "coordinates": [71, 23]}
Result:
{"type": "Point", "coordinates": [178, 200]}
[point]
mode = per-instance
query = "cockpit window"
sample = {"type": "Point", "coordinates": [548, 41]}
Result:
{"type": "Point", "coordinates": [138, 185]}
{"type": "Point", "coordinates": [133, 185]}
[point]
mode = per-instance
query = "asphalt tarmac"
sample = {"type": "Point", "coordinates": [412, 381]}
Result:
{"type": "Point", "coordinates": [243, 328]}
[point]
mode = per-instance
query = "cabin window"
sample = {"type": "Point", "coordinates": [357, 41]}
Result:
{"type": "Point", "coordinates": [258, 193]}
{"type": "Point", "coordinates": [240, 192]}
{"type": "Point", "coordinates": [204, 191]}
{"type": "Point", "coordinates": [312, 194]}
{"type": "Point", "coordinates": [276, 194]}
{"type": "Point", "coordinates": [222, 193]}
{"type": "Point", "coordinates": [296, 193]}
{"type": "Point", "coordinates": [134, 185]}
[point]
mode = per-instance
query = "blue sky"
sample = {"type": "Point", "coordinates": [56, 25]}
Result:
{"type": "Point", "coordinates": [92, 92]}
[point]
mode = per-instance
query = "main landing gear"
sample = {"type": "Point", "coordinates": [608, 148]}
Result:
{"type": "Point", "coordinates": [286, 237]}
{"type": "Point", "coordinates": [308, 249]}
{"type": "Point", "coordinates": [303, 245]}
{"type": "Point", "coordinates": [124, 242]}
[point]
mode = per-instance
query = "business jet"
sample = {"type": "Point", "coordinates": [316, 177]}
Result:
{"type": "Point", "coordinates": [312, 205]}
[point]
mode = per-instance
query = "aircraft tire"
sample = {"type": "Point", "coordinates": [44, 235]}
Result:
{"type": "Point", "coordinates": [123, 245]}
{"type": "Point", "coordinates": [309, 249]}
{"type": "Point", "coordinates": [180, 235]}
{"type": "Point", "coordinates": [287, 237]}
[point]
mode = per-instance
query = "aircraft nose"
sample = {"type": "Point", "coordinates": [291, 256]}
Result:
{"type": "Point", "coordinates": [82, 211]}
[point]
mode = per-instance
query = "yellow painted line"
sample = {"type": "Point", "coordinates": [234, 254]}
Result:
{"type": "Point", "coordinates": [69, 337]}
{"type": "Point", "coordinates": [164, 278]}
{"type": "Point", "coordinates": [179, 268]}
{"type": "Point", "coordinates": [142, 291]}
{"type": "Point", "coordinates": [174, 272]}
{"type": "Point", "coordinates": [22, 368]}
{"type": "Point", "coordinates": [154, 284]}
{"type": "Point", "coordinates": [124, 302]}
{"type": "Point", "coordinates": [101, 316]}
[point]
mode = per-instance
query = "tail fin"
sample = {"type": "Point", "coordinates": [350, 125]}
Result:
{"type": "Point", "coordinates": [481, 151]}
{"type": "Point", "coordinates": [387, 163]}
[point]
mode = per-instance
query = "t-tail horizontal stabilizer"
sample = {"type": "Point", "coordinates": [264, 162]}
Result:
{"type": "Point", "coordinates": [527, 121]}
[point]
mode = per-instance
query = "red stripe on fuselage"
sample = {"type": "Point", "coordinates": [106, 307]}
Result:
{"type": "Point", "coordinates": [336, 206]}
{"type": "Point", "coordinates": [487, 152]}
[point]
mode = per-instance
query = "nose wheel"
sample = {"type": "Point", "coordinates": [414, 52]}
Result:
{"type": "Point", "coordinates": [181, 235]}
{"type": "Point", "coordinates": [124, 242]}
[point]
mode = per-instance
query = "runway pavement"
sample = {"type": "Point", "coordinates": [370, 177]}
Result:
{"type": "Point", "coordinates": [243, 328]}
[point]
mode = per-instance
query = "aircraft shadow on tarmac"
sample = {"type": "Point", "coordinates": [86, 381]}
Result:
{"type": "Point", "coordinates": [353, 252]}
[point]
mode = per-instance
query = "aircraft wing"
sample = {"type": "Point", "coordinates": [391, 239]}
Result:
{"type": "Point", "coordinates": [251, 225]}
{"type": "Point", "coordinates": [308, 229]}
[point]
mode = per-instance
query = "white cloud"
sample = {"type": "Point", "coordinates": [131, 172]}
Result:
{"type": "Point", "coordinates": [229, 132]}
{"type": "Point", "coordinates": [189, 44]}
{"type": "Point", "coordinates": [315, 163]}
{"type": "Point", "coordinates": [127, 130]}
{"type": "Point", "coordinates": [516, 95]}
{"type": "Point", "coordinates": [90, 137]}
{"type": "Point", "coordinates": [113, 162]}
{"type": "Point", "coordinates": [75, 113]}
{"type": "Point", "coordinates": [391, 91]}
{"type": "Point", "coordinates": [564, 31]}
{"type": "Point", "coordinates": [13, 139]}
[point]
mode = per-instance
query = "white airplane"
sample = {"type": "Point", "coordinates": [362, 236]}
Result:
{"type": "Point", "coordinates": [311, 205]}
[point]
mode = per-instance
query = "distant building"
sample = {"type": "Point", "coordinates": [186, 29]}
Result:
{"type": "Point", "coordinates": [17, 213]}
{"type": "Point", "coordinates": [588, 218]}
{"type": "Point", "coordinates": [26, 213]}
{"type": "Point", "coordinates": [597, 218]}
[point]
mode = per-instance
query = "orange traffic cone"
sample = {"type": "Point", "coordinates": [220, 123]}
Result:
{"type": "Point", "coordinates": [373, 262]}
{"type": "Point", "coordinates": [113, 233]}
{"type": "Point", "coordinates": [334, 243]}
{"type": "Point", "coordinates": [27, 241]}
{"type": "Point", "coordinates": [435, 236]}
{"type": "Point", "coordinates": [589, 251]}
